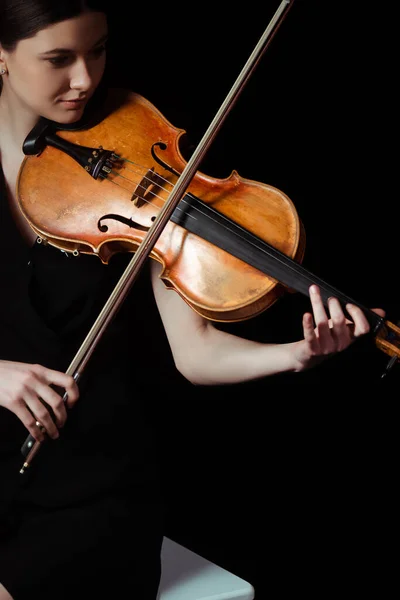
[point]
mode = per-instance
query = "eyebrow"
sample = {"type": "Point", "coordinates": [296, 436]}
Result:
{"type": "Point", "coordinates": [68, 50]}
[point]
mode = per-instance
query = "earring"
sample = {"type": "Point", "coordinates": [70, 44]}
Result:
{"type": "Point", "coordinates": [3, 71]}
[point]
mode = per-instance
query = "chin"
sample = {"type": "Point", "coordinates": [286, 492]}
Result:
{"type": "Point", "coordinates": [70, 121]}
{"type": "Point", "coordinates": [70, 117]}
{"type": "Point", "coordinates": [63, 116]}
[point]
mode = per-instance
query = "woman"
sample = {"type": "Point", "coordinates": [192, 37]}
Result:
{"type": "Point", "coordinates": [67, 523]}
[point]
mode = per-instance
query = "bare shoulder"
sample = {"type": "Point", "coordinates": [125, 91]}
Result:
{"type": "Point", "coordinates": [4, 595]}
{"type": "Point", "coordinates": [11, 164]}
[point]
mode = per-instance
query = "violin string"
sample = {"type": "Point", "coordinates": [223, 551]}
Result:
{"type": "Point", "coordinates": [150, 192]}
{"type": "Point", "coordinates": [183, 201]}
{"type": "Point", "coordinates": [130, 181]}
{"type": "Point", "coordinates": [294, 266]}
{"type": "Point", "coordinates": [159, 177]}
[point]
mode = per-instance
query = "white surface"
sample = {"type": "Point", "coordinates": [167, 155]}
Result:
{"type": "Point", "coordinates": [188, 576]}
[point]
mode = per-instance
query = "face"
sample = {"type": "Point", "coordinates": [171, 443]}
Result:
{"type": "Point", "coordinates": [54, 73]}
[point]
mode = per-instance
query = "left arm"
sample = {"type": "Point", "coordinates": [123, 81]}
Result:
{"type": "Point", "coordinates": [208, 356]}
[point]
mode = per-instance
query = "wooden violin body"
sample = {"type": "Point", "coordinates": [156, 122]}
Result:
{"type": "Point", "coordinates": [72, 210]}
{"type": "Point", "coordinates": [231, 247]}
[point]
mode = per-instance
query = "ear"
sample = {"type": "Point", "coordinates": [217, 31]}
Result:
{"type": "Point", "coordinates": [3, 64]}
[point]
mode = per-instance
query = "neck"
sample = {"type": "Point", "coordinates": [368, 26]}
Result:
{"type": "Point", "coordinates": [16, 119]}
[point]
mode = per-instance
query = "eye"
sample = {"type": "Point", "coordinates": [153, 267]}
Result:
{"type": "Point", "coordinates": [97, 52]}
{"type": "Point", "coordinates": [59, 61]}
{"type": "Point", "coordinates": [63, 59]}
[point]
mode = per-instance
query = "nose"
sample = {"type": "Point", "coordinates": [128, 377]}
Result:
{"type": "Point", "coordinates": [81, 77]}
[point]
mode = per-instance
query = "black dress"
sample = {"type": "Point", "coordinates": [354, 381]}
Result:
{"type": "Point", "coordinates": [86, 520]}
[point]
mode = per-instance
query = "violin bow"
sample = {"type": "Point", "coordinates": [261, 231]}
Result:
{"type": "Point", "coordinates": [31, 446]}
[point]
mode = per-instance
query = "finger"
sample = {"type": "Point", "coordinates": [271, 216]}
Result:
{"type": "Point", "coordinates": [41, 414]}
{"type": "Point", "coordinates": [29, 421]}
{"type": "Point", "coordinates": [54, 401]}
{"type": "Point", "coordinates": [361, 324]}
{"type": "Point", "coordinates": [340, 325]}
{"type": "Point", "coordinates": [308, 329]}
{"type": "Point", "coordinates": [72, 391]}
{"type": "Point", "coordinates": [308, 326]}
{"type": "Point", "coordinates": [320, 316]}
{"type": "Point", "coordinates": [64, 381]}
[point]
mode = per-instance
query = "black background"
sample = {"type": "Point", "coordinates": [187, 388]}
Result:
{"type": "Point", "coordinates": [289, 481]}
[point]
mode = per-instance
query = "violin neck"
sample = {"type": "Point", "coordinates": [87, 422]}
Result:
{"type": "Point", "coordinates": [201, 219]}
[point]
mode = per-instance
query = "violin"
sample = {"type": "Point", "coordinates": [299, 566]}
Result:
{"type": "Point", "coordinates": [229, 247]}
{"type": "Point", "coordinates": [215, 248]}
